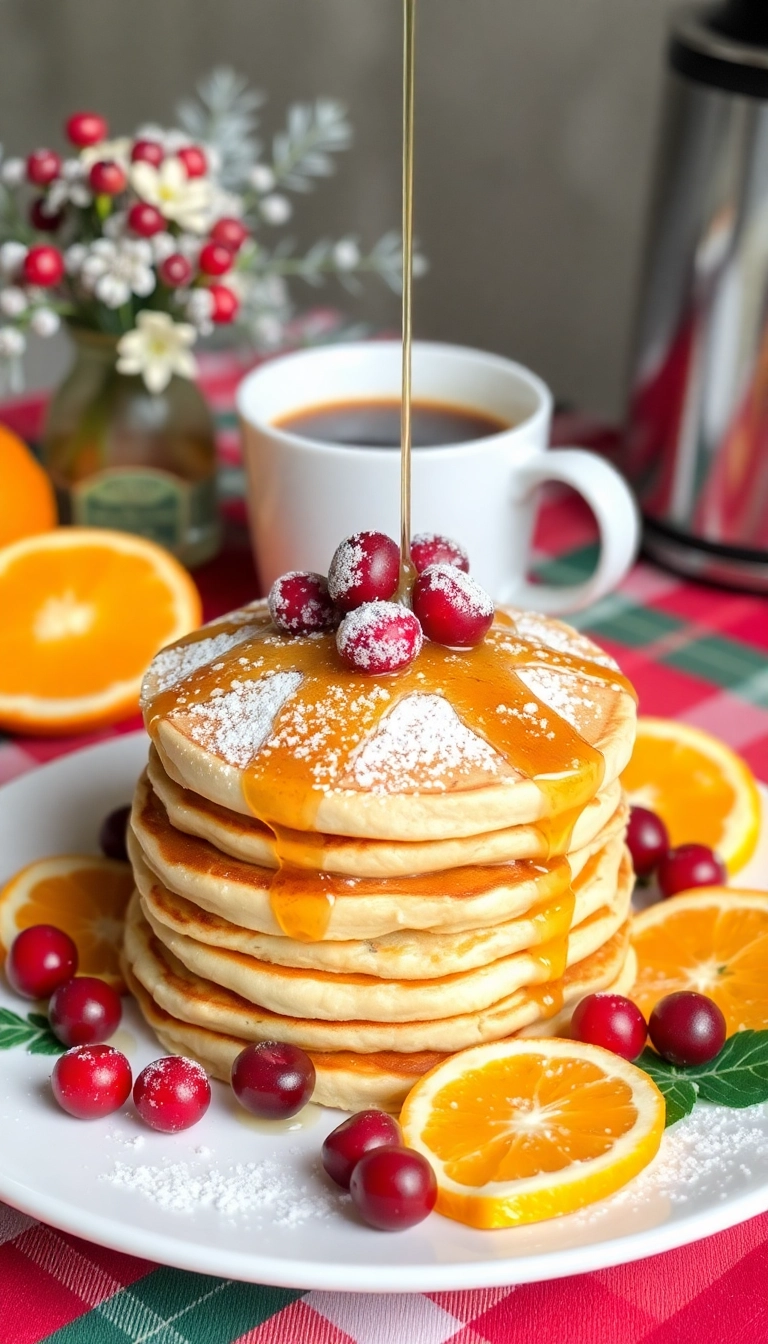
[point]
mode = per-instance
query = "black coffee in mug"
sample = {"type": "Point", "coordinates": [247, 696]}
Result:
{"type": "Point", "coordinates": [376, 424]}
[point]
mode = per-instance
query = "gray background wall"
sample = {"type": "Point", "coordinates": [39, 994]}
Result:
{"type": "Point", "coordinates": [536, 128]}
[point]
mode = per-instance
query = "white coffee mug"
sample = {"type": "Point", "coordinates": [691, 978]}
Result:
{"type": "Point", "coordinates": [305, 496]}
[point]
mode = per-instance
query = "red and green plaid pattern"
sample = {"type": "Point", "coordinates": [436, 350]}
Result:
{"type": "Point", "coordinates": [693, 652]}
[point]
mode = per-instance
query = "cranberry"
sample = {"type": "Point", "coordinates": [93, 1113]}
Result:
{"type": "Point", "coordinates": [43, 266]}
{"type": "Point", "coordinates": [86, 128]}
{"type": "Point", "coordinates": [112, 834]}
{"type": "Point", "coordinates": [365, 568]}
{"type": "Point", "coordinates": [689, 866]}
{"type": "Point", "coordinates": [647, 839]}
{"type": "Point", "coordinates": [453, 609]}
{"type": "Point", "coordinates": [299, 603]}
{"type": "Point", "coordinates": [229, 231]}
{"type": "Point", "coordinates": [358, 1135]}
{"type": "Point", "coordinates": [612, 1021]}
{"type": "Point", "coordinates": [147, 151]}
{"type": "Point", "coordinates": [429, 548]}
{"type": "Point", "coordinates": [91, 1080]}
{"type": "Point", "coordinates": [273, 1080]}
{"type": "Point", "coordinates": [41, 958]}
{"type": "Point", "coordinates": [687, 1028]}
{"type": "Point", "coordinates": [107, 178]}
{"type": "Point", "coordinates": [41, 220]}
{"type": "Point", "coordinates": [393, 1188]}
{"type": "Point", "coordinates": [43, 167]}
{"type": "Point", "coordinates": [84, 1011]}
{"type": "Point", "coordinates": [215, 259]}
{"type": "Point", "coordinates": [379, 637]}
{"type": "Point", "coordinates": [145, 220]}
{"type": "Point", "coordinates": [172, 1093]}
{"type": "Point", "coordinates": [175, 270]}
{"type": "Point", "coordinates": [225, 303]}
{"type": "Point", "coordinates": [194, 160]}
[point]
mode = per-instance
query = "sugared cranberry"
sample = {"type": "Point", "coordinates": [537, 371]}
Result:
{"type": "Point", "coordinates": [86, 128]}
{"type": "Point", "coordinates": [379, 637]}
{"type": "Point", "coordinates": [453, 609]}
{"type": "Point", "coordinates": [113, 832]}
{"type": "Point", "coordinates": [355, 1137]}
{"type": "Point", "coordinates": [43, 266]}
{"type": "Point", "coordinates": [393, 1188]}
{"type": "Point", "coordinates": [175, 270]}
{"type": "Point", "coordinates": [147, 151]}
{"type": "Point", "coordinates": [194, 160]}
{"type": "Point", "coordinates": [41, 958]}
{"type": "Point", "coordinates": [229, 231]}
{"type": "Point", "coordinates": [43, 167]}
{"type": "Point", "coordinates": [273, 1080]}
{"type": "Point", "coordinates": [145, 220]}
{"type": "Point", "coordinates": [225, 303]}
{"type": "Point", "coordinates": [40, 218]}
{"type": "Point", "coordinates": [215, 259]}
{"type": "Point", "coordinates": [172, 1093]}
{"type": "Point", "coordinates": [612, 1021]}
{"type": "Point", "coordinates": [365, 568]}
{"type": "Point", "coordinates": [299, 603]}
{"type": "Point", "coordinates": [107, 178]}
{"type": "Point", "coordinates": [689, 866]}
{"type": "Point", "coordinates": [687, 1028]}
{"type": "Point", "coordinates": [647, 840]}
{"type": "Point", "coordinates": [84, 1011]}
{"type": "Point", "coordinates": [91, 1080]}
{"type": "Point", "coordinates": [429, 548]}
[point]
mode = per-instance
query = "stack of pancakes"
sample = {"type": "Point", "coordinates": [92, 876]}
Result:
{"type": "Point", "coordinates": [381, 870]}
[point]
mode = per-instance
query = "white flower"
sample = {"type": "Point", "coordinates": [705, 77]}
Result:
{"type": "Point", "coordinates": [157, 348]}
{"type": "Point", "coordinates": [171, 141]}
{"type": "Point", "coordinates": [189, 246]}
{"type": "Point", "coordinates": [346, 254]}
{"type": "Point", "coordinates": [13, 301]}
{"type": "Point", "coordinates": [45, 322]}
{"type": "Point", "coordinates": [109, 151]}
{"type": "Point", "coordinates": [261, 177]}
{"type": "Point", "coordinates": [70, 186]}
{"type": "Point", "coordinates": [13, 172]}
{"type": "Point", "coordinates": [114, 225]}
{"type": "Point", "coordinates": [11, 342]}
{"type": "Point", "coordinates": [163, 245]}
{"type": "Point", "coordinates": [74, 258]}
{"type": "Point", "coordinates": [199, 307]}
{"type": "Point", "coordinates": [185, 200]}
{"type": "Point", "coordinates": [12, 255]}
{"type": "Point", "coordinates": [114, 271]}
{"type": "Point", "coordinates": [276, 209]}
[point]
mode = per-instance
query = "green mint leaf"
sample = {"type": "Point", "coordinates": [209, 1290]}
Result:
{"type": "Point", "coordinates": [11, 1036]}
{"type": "Point", "coordinates": [32, 1031]}
{"type": "Point", "coordinates": [678, 1092]}
{"type": "Point", "coordinates": [39, 1020]}
{"type": "Point", "coordinates": [45, 1044]}
{"type": "Point", "coordinates": [738, 1076]}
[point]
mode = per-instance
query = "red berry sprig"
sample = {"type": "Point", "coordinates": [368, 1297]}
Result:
{"type": "Point", "coordinates": [43, 167]}
{"type": "Point", "coordinates": [172, 1093]}
{"type": "Point", "coordinates": [194, 160]}
{"type": "Point", "coordinates": [215, 259]}
{"type": "Point", "coordinates": [229, 231]}
{"type": "Point", "coordinates": [365, 568]}
{"type": "Point", "coordinates": [43, 266]}
{"type": "Point", "coordinates": [107, 178]}
{"type": "Point", "coordinates": [40, 959]}
{"type": "Point", "coordinates": [453, 609]}
{"type": "Point", "coordinates": [145, 220]}
{"type": "Point", "coordinates": [379, 637]}
{"type": "Point", "coordinates": [175, 271]}
{"type": "Point", "coordinates": [299, 604]}
{"type": "Point", "coordinates": [86, 128]}
{"type": "Point", "coordinates": [147, 151]}
{"type": "Point", "coordinates": [430, 548]}
{"type": "Point", "coordinates": [225, 303]}
{"type": "Point", "coordinates": [91, 1081]}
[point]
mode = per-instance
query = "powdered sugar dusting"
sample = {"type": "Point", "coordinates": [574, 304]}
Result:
{"type": "Point", "coordinates": [379, 637]}
{"type": "Point", "coordinates": [575, 699]}
{"type": "Point", "coordinates": [554, 635]}
{"type": "Point", "coordinates": [346, 568]}
{"type": "Point", "coordinates": [461, 589]}
{"type": "Point", "coordinates": [237, 723]}
{"type": "Point", "coordinates": [171, 666]}
{"type": "Point", "coordinates": [420, 744]}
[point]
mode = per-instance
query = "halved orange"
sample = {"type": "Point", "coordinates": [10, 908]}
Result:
{"type": "Point", "coordinates": [83, 894]}
{"type": "Point", "coordinates": [713, 940]}
{"type": "Point", "coordinates": [519, 1130]}
{"type": "Point", "coordinates": [84, 610]}
{"type": "Point", "coordinates": [27, 502]}
{"type": "Point", "coordinates": [700, 788]}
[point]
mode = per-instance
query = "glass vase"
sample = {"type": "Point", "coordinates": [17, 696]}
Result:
{"type": "Point", "coordinates": [123, 457]}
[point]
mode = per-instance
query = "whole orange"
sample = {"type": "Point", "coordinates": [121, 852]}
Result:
{"type": "Point", "coordinates": [27, 501]}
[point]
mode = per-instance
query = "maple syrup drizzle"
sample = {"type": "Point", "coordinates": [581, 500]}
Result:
{"type": "Point", "coordinates": [407, 570]}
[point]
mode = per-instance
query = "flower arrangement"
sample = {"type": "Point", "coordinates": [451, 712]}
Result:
{"type": "Point", "coordinates": [159, 238]}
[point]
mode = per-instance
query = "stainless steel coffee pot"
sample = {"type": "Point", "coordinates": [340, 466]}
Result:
{"type": "Point", "coordinates": [696, 446]}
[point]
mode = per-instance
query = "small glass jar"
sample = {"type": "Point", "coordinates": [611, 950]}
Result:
{"type": "Point", "coordinates": [123, 457]}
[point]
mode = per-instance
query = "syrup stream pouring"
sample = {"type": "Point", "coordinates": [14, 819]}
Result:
{"type": "Point", "coordinates": [407, 570]}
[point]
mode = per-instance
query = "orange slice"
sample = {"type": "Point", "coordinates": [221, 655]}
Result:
{"type": "Point", "coordinates": [701, 789]}
{"type": "Point", "coordinates": [27, 503]}
{"type": "Point", "coordinates": [84, 610]}
{"type": "Point", "coordinates": [82, 894]}
{"type": "Point", "coordinates": [521, 1130]}
{"type": "Point", "coordinates": [714, 940]}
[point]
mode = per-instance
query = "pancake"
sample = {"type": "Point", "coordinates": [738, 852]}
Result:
{"type": "Point", "coordinates": [199, 1001]}
{"type": "Point", "coordinates": [525, 728]}
{"type": "Point", "coordinates": [250, 840]}
{"type": "Point", "coordinates": [324, 906]}
{"type": "Point", "coordinates": [406, 954]}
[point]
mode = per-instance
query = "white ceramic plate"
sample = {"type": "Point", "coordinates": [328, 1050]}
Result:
{"type": "Point", "coordinates": [233, 1198]}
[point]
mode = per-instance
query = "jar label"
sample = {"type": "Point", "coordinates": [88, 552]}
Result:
{"type": "Point", "coordinates": [154, 504]}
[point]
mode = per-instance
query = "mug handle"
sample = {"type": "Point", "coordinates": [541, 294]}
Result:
{"type": "Point", "coordinates": [618, 521]}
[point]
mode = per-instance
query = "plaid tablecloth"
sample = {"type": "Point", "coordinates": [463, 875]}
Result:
{"type": "Point", "coordinates": [694, 652]}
